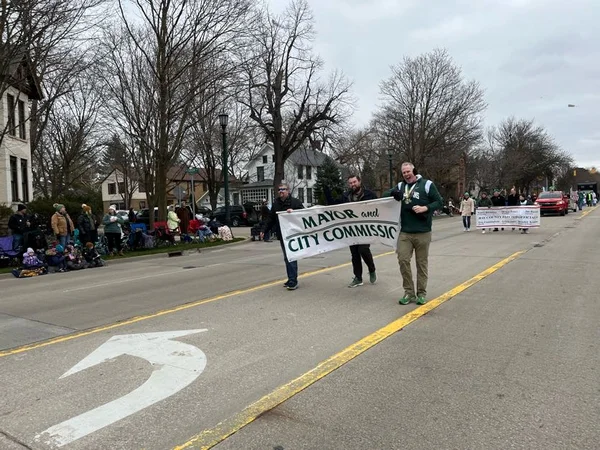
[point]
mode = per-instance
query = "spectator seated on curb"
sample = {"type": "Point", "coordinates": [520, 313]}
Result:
{"type": "Point", "coordinates": [74, 259]}
{"type": "Point", "coordinates": [56, 258]}
{"type": "Point", "coordinates": [91, 256]}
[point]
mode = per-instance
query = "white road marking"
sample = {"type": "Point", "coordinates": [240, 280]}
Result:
{"type": "Point", "coordinates": [177, 365]}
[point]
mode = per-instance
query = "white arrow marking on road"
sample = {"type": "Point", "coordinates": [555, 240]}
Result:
{"type": "Point", "coordinates": [178, 365]}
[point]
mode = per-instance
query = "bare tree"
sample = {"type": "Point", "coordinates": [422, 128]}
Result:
{"type": "Point", "coordinates": [517, 153]}
{"type": "Point", "coordinates": [430, 115]}
{"type": "Point", "coordinates": [68, 151]}
{"type": "Point", "coordinates": [44, 36]}
{"type": "Point", "coordinates": [284, 93]}
{"type": "Point", "coordinates": [156, 71]}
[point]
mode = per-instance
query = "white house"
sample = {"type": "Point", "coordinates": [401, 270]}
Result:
{"type": "Point", "coordinates": [20, 86]}
{"type": "Point", "coordinates": [114, 192]}
{"type": "Point", "coordinates": [300, 174]}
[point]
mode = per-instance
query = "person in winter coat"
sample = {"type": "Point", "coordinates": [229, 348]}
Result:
{"type": "Point", "coordinates": [87, 226]}
{"type": "Point", "coordinates": [467, 208]}
{"type": "Point", "coordinates": [172, 219]}
{"type": "Point", "coordinates": [31, 261]}
{"type": "Point", "coordinates": [484, 202]}
{"type": "Point", "coordinates": [285, 202]}
{"type": "Point", "coordinates": [498, 200]}
{"type": "Point", "coordinates": [62, 225]}
{"type": "Point", "coordinates": [512, 199]}
{"type": "Point", "coordinates": [112, 230]}
{"type": "Point", "coordinates": [18, 225]}
{"type": "Point", "coordinates": [357, 193]}
{"type": "Point", "coordinates": [524, 202]}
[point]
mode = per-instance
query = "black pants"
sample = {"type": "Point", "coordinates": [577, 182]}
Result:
{"type": "Point", "coordinates": [114, 241]}
{"type": "Point", "coordinates": [361, 251]}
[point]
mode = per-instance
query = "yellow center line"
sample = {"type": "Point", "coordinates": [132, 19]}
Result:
{"type": "Point", "coordinates": [164, 312]}
{"type": "Point", "coordinates": [213, 436]}
{"type": "Point", "coordinates": [586, 212]}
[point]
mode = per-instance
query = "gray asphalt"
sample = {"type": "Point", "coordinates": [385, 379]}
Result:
{"type": "Point", "coordinates": [510, 363]}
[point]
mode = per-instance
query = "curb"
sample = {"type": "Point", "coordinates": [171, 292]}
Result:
{"type": "Point", "coordinates": [110, 262]}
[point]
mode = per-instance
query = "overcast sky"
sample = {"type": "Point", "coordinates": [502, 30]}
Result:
{"type": "Point", "coordinates": [532, 57]}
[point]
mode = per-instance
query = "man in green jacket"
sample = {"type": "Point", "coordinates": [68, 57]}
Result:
{"type": "Point", "coordinates": [420, 198]}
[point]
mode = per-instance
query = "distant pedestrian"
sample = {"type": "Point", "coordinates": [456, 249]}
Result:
{"type": "Point", "coordinates": [524, 202]}
{"type": "Point", "coordinates": [467, 208]}
{"type": "Point", "coordinates": [420, 198]}
{"type": "Point", "coordinates": [484, 202]}
{"type": "Point", "coordinates": [284, 202]}
{"type": "Point", "coordinates": [172, 219]}
{"type": "Point", "coordinates": [497, 201]}
{"type": "Point", "coordinates": [87, 225]}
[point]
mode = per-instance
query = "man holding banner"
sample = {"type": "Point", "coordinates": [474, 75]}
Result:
{"type": "Point", "coordinates": [284, 203]}
{"type": "Point", "coordinates": [357, 193]}
{"type": "Point", "coordinates": [420, 198]}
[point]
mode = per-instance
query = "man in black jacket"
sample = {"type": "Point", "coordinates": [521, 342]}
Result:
{"type": "Point", "coordinates": [284, 202]}
{"type": "Point", "coordinates": [18, 225]}
{"type": "Point", "coordinates": [498, 200]}
{"type": "Point", "coordinates": [357, 193]}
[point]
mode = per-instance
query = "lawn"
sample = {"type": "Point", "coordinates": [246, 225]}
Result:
{"type": "Point", "coordinates": [154, 251]}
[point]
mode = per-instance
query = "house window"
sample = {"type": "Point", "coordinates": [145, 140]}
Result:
{"type": "Point", "coordinates": [309, 196]}
{"type": "Point", "coordinates": [142, 204]}
{"type": "Point", "coordinates": [309, 172]}
{"type": "Point", "coordinates": [236, 198]}
{"type": "Point", "coordinates": [301, 194]}
{"type": "Point", "coordinates": [254, 195]}
{"type": "Point", "coordinates": [300, 172]}
{"type": "Point", "coordinates": [141, 187]}
{"type": "Point", "coordinates": [14, 179]}
{"type": "Point", "coordinates": [273, 157]}
{"type": "Point", "coordinates": [122, 189]}
{"type": "Point", "coordinates": [24, 180]}
{"type": "Point", "coordinates": [265, 159]}
{"type": "Point", "coordinates": [10, 100]}
{"type": "Point", "coordinates": [260, 173]}
{"type": "Point", "coordinates": [112, 188]}
{"type": "Point", "coordinates": [22, 134]}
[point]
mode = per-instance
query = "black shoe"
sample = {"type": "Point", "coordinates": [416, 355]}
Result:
{"type": "Point", "coordinates": [292, 286]}
{"type": "Point", "coordinates": [286, 284]}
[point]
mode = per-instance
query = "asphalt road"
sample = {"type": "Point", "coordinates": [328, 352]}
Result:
{"type": "Point", "coordinates": [508, 361]}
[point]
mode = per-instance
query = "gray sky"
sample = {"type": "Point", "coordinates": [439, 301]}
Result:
{"type": "Point", "coordinates": [532, 57]}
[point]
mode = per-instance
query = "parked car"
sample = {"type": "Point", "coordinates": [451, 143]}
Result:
{"type": "Point", "coordinates": [240, 215]}
{"type": "Point", "coordinates": [552, 202]}
{"type": "Point", "coordinates": [204, 211]}
{"type": "Point", "coordinates": [143, 216]}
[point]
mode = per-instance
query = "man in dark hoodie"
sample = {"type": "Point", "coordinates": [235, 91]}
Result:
{"type": "Point", "coordinates": [357, 193]}
{"type": "Point", "coordinates": [498, 200]}
{"type": "Point", "coordinates": [512, 199]}
{"type": "Point", "coordinates": [284, 202]}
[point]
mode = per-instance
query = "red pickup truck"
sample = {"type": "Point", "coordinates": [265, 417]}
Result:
{"type": "Point", "coordinates": [553, 202]}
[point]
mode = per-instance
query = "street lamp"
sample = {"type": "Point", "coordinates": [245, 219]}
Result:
{"type": "Point", "coordinates": [223, 119]}
{"type": "Point", "coordinates": [390, 155]}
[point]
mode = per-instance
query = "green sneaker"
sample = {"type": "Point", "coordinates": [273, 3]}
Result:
{"type": "Point", "coordinates": [372, 277]}
{"type": "Point", "coordinates": [406, 299]}
{"type": "Point", "coordinates": [421, 300]}
{"type": "Point", "coordinates": [355, 283]}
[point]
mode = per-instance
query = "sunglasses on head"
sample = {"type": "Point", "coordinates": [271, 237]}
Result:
{"type": "Point", "coordinates": [282, 189]}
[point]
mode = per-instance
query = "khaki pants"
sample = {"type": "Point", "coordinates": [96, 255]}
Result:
{"type": "Point", "coordinates": [419, 243]}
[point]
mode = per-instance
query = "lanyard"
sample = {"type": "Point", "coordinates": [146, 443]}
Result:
{"type": "Point", "coordinates": [408, 193]}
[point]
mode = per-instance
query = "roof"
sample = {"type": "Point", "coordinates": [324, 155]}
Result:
{"type": "Point", "coordinates": [258, 184]}
{"type": "Point", "coordinates": [178, 172]}
{"type": "Point", "coordinates": [308, 157]}
{"type": "Point", "coordinates": [302, 157]}
{"type": "Point", "coordinates": [20, 74]}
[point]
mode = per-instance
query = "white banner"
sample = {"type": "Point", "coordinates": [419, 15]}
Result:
{"type": "Point", "coordinates": [508, 216]}
{"type": "Point", "coordinates": [320, 229]}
